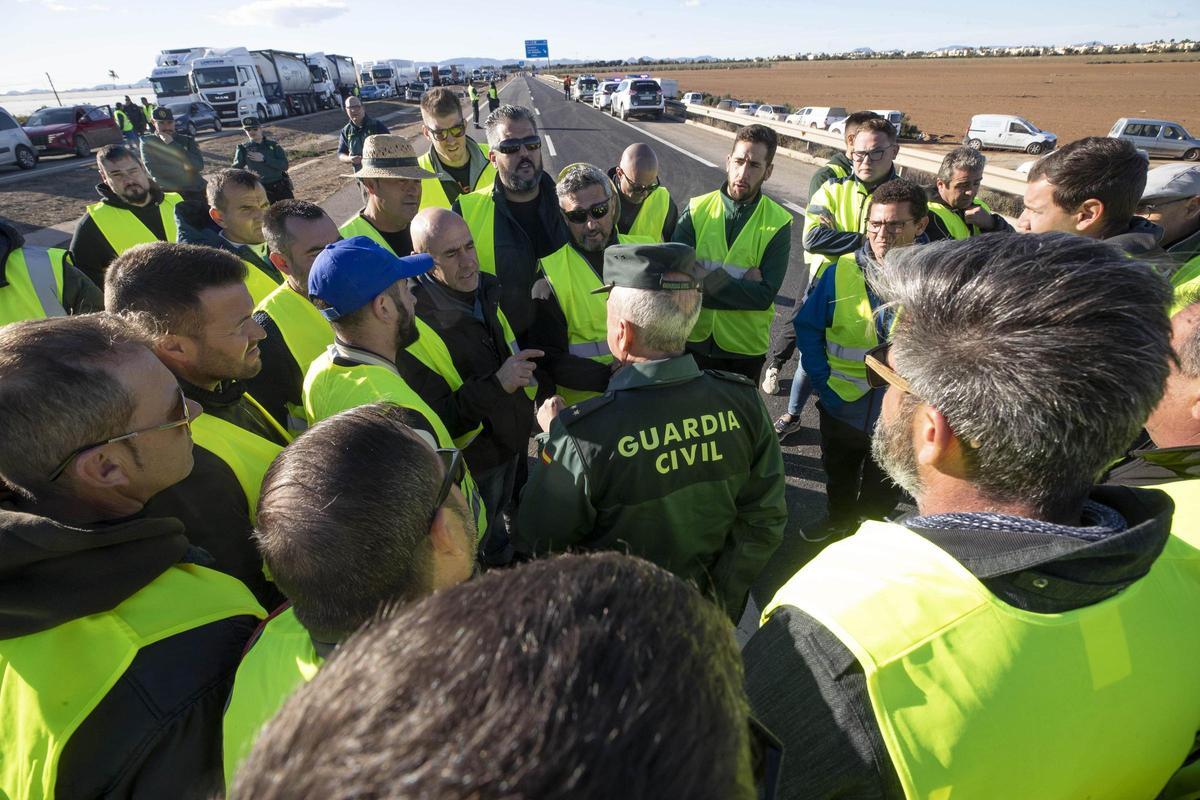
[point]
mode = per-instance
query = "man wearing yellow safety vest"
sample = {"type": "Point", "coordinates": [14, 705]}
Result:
{"type": "Point", "coordinates": [1026, 633]}
{"type": "Point", "coordinates": [193, 304]}
{"type": "Point", "coordinates": [391, 176]}
{"type": "Point", "coordinates": [459, 163]}
{"type": "Point", "coordinates": [515, 221]}
{"type": "Point", "coordinates": [570, 318]}
{"type": "Point", "coordinates": [132, 210]}
{"type": "Point", "coordinates": [362, 289]}
{"type": "Point", "coordinates": [371, 528]}
{"type": "Point", "coordinates": [955, 210]}
{"type": "Point", "coordinates": [646, 205]}
{"type": "Point", "coordinates": [840, 321]}
{"type": "Point", "coordinates": [38, 282]}
{"type": "Point", "coordinates": [467, 365]}
{"type": "Point", "coordinates": [296, 232]}
{"type": "Point", "coordinates": [473, 97]}
{"type": "Point", "coordinates": [125, 124]}
{"type": "Point", "coordinates": [117, 649]}
{"type": "Point", "coordinates": [148, 110]}
{"type": "Point", "coordinates": [1171, 200]}
{"type": "Point", "coordinates": [743, 240]}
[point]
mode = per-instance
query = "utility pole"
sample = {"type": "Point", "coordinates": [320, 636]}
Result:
{"type": "Point", "coordinates": [56, 98]}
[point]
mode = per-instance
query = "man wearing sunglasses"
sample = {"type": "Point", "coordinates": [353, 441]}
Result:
{"type": "Point", "coordinates": [839, 322]}
{"type": "Point", "coordinates": [1171, 200]}
{"type": "Point", "coordinates": [1026, 633]}
{"type": "Point", "coordinates": [117, 649]}
{"type": "Point", "coordinates": [516, 220]}
{"type": "Point", "coordinates": [391, 176]}
{"type": "Point", "coordinates": [361, 513]}
{"type": "Point", "coordinates": [191, 302]}
{"type": "Point", "coordinates": [646, 206]}
{"type": "Point", "coordinates": [459, 163]}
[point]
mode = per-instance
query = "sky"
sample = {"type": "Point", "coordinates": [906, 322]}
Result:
{"type": "Point", "coordinates": [78, 41]}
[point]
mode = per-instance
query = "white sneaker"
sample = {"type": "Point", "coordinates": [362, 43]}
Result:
{"type": "Point", "coordinates": [770, 381]}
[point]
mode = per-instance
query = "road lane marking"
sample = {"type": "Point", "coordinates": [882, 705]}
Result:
{"type": "Point", "coordinates": [535, 110]}
{"type": "Point", "coordinates": [550, 145]}
{"type": "Point", "coordinates": [671, 145]}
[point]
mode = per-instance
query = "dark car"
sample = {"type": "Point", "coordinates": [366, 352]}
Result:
{"type": "Point", "coordinates": [72, 129]}
{"type": "Point", "coordinates": [191, 117]}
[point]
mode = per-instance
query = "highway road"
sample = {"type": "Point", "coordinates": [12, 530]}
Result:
{"type": "Point", "coordinates": [689, 157]}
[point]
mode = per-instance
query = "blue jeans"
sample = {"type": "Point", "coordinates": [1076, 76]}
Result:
{"type": "Point", "coordinates": [801, 389]}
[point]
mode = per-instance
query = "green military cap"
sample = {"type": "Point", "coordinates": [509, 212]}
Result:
{"type": "Point", "coordinates": [162, 113]}
{"type": "Point", "coordinates": [250, 123]}
{"type": "Point", "coordinates": [645, 266]}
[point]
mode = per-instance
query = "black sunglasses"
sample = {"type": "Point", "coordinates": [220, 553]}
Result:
{"type": "Point", "coordinates": [637, 188]}
{"type": "Point", "coordinates": [580, 215]}
{"type": "Point", "coordinates": [510, 146]}
{"type": "Point", "coordinates": [455, 469]}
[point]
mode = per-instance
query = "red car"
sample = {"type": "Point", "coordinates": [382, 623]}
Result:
{"type": "Point", "coordinates": [72, 129]}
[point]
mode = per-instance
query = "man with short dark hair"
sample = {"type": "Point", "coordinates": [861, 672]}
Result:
{"type": "Point", "coordinates": [459, 163]}
{"type": "Point", "coordinates": [955, 210]}
{"type": "Point", "coordinates": [1025, 633]}
{"type": "Point", "coordinates": [40, 282]}
{"type": "Point", "coordinates": [352, 519]}
{"type": "Point", "coordinates": [117, 649]}
{"type": "Point", "coordinates": [192, 303]}
{"type": "Point", "coordinates": [743, 241]}
{"type": "Point", "coordinates": [647, 209]}
{"type": "Point", "coordinates": [356, 132]}
{"type": "Point", "coordinates": [266, 159]}
{"type": "Point", "coordinates": [392, 178]}
{"type": "Point", "coordinates": [511, 702]}
{"type": "Point", "coordinates": [132, 210]}
{"type": "Point", "coordinates": [1091, 187]}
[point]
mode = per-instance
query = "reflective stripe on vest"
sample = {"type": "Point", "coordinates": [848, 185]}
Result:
{"type": "Point", "coordinates": [846, 201]}
{"type": "Point", "coordinates": [279, 662]}
{"type": "Point", "coordinates": [817, 263]}
{"type": "Point", "coordinates": [852, 333]}
{"type": "Point", "coordinates": [330, 388]}
{"type": "Point", "coordinates": [956, 225]}
{"type": "Point", "coordinates": [479, 212]}
{"type": "Point", "coordinates": [247, 454]}
{"type": "Point", "coordinates": [432, 191]}
{"type": "Point", "coordinates": [431, 351]}
{"type": "Point", "coordinates": [652, 215]}
{"type": "Point", "coordinates": [122, 229]}
{"type": "Point", "coordinates": [976, 698]}
{"type": "Point", "coordinates": [52, 680]}
{"type": "Point", "coordinates": [357, 226]}
{"type": "Point", "coordinates": [35, 280]}
{"type": "Point", "coordinates": [305, 333]}
{"type": "Point", "coordinates": [743, 332]}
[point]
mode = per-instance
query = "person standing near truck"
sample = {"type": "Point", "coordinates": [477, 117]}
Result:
{"type": "Point", "coordinates": [266, 159]}
{"type": "Point", "coordinates": [493, 97]}
{"type": "Point", "coordinates": [474, 98]}
{"type": "Point", "coordinates": [356, 131]}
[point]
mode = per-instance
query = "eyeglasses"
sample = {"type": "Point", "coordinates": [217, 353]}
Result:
{"type": "Point", "coordinates": [880, 375]}
{"type": "Point", "coordinates": [454, 470]}
{"type": "Point", "coordinates": [510, 146]}
{"type": "Point", "coordinates": [895, 227]}
{"type": "Point", "coordinates": [166, 426]}
{"type": "Point", "coordinates": [865, 155]}
{"type": "Point", "coordinates": [637, 188]}
{"type": "Point", "coordinates": [580, 215]}
{"type": "Point", "coordinates": [1150, 208]}
{"type": "Point", "coordinates": [441, 134]}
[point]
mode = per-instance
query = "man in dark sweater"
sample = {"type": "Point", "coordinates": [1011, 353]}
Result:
{"type": "Point", "coordinates": [354, 134]}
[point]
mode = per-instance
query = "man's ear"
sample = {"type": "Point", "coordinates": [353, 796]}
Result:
{"type": "Point", "coordinates": [215, 215]}
{"type": "Point", "coordinates": [442, 538]}
{"type": "Point", "coordinates": [767, 174]}
{"type": "Point", "coordinates": [280, 262]}
{"type": "Point", "coordinates": [96, 469]}
{"type": "Point", "coordinates": [1194, 399]}
{"type": "Point", "coordinates": [1088, 214]}
{"type": "Point", "coordinates": [935, 443]}
{"type": "Point", "coordinates": [922, 224]}
{"type": "Point", "coordinates": [174, 350]}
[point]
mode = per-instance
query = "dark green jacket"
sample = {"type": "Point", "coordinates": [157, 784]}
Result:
{"type": "Point", "coordinates": [273, 166]}
{"type": "Point", "coordinates": [676, 465]}
{"type": "Point", "coordinates": [826, 173]}
{"type": "Point", "coordinates": [177, 166]}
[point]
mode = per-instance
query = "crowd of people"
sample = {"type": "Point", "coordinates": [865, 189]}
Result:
{"type": "Point", "coordinates": [270, 525]}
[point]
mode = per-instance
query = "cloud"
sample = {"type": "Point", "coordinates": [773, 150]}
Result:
{"type": "Point", "coordinates": [292, 13]}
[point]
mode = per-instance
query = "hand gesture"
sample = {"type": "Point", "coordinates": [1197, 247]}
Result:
{"type": "Point", "coordinates": [980, 218]}
{"type": "Point", "coordinates": [517, 371]}
{"type": "Point", "coordinates": [548, 410]}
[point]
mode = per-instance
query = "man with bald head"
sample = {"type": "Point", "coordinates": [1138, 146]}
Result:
{"type": "Point", "coordinates": [646, 206]}
{"type": "Point", "coordinates": [466, 364]}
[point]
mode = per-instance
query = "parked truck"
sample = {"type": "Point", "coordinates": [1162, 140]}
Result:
{"type": "Point", "coordinates": [345, 74]}
{"type": "Point", "coordinates": [172, 75]}
{"type": "Point", "coordinates": [385, 74]}
{"type": "Point", "coordinates": [241, 83]}
{"type": "Point", "coordinates": [322, 72]}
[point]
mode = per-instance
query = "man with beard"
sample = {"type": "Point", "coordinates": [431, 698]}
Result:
{"type": "Point", "coordinates": [392, 179]}
{"type": "Point", "coordinates": [192, 303]}
{"type": "Point", "coordinates": [516, 221]}
{"type": "Point", "coordinates": [839, 323]}
{"type": "Point", "coordinates": [743, 240]}
{"type": "Point", "coordinates": [955, 210]}
{"type": "Point", "coordinates": [646, 206]}
{"type": "Point", "coordinates": [362, 289]}
{"type": "Point", "coordinates": [132, 210]}
{"type": "Point", "coordinates": [1026, 633]}
{"type": "Point", "coordinates": [570, 318]}
{"type": "Point", "coordinates": [460, 164]}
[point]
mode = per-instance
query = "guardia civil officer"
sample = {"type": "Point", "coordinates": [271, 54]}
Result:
{"type": "Point", "coordinates": [677, 465]}
{"type": "Point", "coordinates": [266, 159]}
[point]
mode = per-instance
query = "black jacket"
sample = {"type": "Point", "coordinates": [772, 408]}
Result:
{"type": "Point", "coordinates": [91, 250]}
{"type": "Point", "coordinates": [478, 347]}
{"type": "Point", "coordinates": [516, 256]}
{"type": "Point", "coordinates": [1142, 240]}
{"type": "Point", "coordinates": [79, 294]}
{"type": "Point", "coordinates": [177, 166]}
{"type": "Point", "coordinates": [937, 231]}
{"type": "Point", "coordinates": [280, 381]}
{"type": "Point", "coordinates": [157, 733]}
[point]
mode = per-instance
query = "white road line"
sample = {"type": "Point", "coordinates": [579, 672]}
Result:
{"type": "Point", "coordinates": [790, 205]}
{"type": "Point", "coordinates": [535, 110]}
{"type": "Point", "coordinates": [671, 145]}
{"type": "Point", "coordinates": [550, 145]}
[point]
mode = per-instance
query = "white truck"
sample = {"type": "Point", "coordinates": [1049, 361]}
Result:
{"type": "Point", "coordinates": [384, 73]}
{"type": "Point", "coordinates": [344, 75]}
{"type": "Point", "coordinates": [267, 84]}
{"type": "Point", "coordinates": [172, 75]}
{"type": "Point", "coordinates": [322, 71]}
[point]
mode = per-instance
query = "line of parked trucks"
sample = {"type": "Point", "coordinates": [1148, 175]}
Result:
{"type": "Point", "coordinates": [395, 77]}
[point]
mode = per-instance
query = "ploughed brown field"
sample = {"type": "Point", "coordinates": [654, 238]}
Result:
{"type": "Point", "coordinates": [1071, 96]}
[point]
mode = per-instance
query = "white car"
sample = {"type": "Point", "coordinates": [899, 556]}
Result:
{"type": "Point", "coordinates": [749, 109]}
{"type": "Point", "coordinates": [604, 92]}
{"type": "Point", "coordinates": [819, 117]}
{"type": "Point", "coordinates": [775, 113]}
{"type": "Point", "coordinates": [637, 96]}
{"type": "Point", "coordinates": [15, 147]}
{"type": "Point", "coordinates": [890, 115]}
{"type": "Point", "coordinates": [1008, 132]}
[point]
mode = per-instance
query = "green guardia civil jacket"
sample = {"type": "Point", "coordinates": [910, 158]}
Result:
{"type": "Point", "coordinates": [674, 464]}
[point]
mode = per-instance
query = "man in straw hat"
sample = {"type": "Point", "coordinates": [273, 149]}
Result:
{"type": "Point", "coordinates": [391, 178]}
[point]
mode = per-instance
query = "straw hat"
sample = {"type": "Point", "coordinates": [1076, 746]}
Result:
{"type": "Point", "coordinates": [386, 155]}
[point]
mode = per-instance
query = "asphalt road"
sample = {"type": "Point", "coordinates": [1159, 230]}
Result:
{"type": "Point", "coordinates": [688, 157]}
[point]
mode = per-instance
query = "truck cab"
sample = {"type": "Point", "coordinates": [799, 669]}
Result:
{"type": "Point", "coordinates": [172, 75]}
{"type": "Point", "coordinates": [267, 84]}
{"type": "Point", "coordinates": [322, 81]}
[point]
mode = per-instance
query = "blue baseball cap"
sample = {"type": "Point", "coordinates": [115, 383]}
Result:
{"type": "Point", "coordinates": [352, 272]}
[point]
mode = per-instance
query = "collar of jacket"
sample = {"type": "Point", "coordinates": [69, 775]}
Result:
{"type": "Point", "coordinates": [1187, 247]}
{"type": "Point", "coordinates": [1182, 463]}
{"type": "Point", "coordinates": [110, 197]}
{"type": "Point", "coordinates": [247, 252]}
{"type": "Point", "coordinates": [1141, 237]}
{"type": "Point", "coordinates": [733, 207]}
{"type": "Point", "coordinates": [475, 157]}
{"type": "Point", "coordinates": [349, 354]}
{"type": "Point", "coordinates": [437, 299]}
{"type": "Point", "coordinates": [674, 369]}
{"type": "Point", "coordinates": [226, 394]}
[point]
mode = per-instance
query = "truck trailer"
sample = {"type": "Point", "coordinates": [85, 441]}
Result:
{"type": "Point", "coordinates": [268, 84]}
{"type": "Point", "coordinates": [345, 74]}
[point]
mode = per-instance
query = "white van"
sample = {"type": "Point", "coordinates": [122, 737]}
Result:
{"type": "Point", "coordinates": [1008, 132]}
{"type": "Point", "coordinates": [15, 147]}
{"type": "Point", "coordinates": [693, 98]}
{"type": "Point", "coordinates": [819, 117]}
{"type": "Point", "coordinates": [891, 115]}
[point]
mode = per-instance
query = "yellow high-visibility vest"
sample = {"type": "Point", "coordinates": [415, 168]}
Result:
{"type": "Point", "coordinates": [652, 215]}
{"type": "Point", "coordinates": [122, 229]}
{"type": "Point", "coordinates": [247, 454]}
{"type": "Point", "coordinates": [955, 224]}
{"type": "Point", "coordinates": [305, 332]}
{"type": "Point", "coordinates": [852, 333]}
{"type": "Point", "coordinates": [434, 194]}
{"type": "Point", "coordinates": [35, 284]}
{"type": "Point", "coordinates": [479, 212]}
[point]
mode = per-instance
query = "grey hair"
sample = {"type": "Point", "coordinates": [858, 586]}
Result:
{"type": "Point", "coordinates": [1046, 353]}
{"type": "Point", "coordinates": [580, 177]}
{"type": "Point", "coordinates": [963, 158]}
{"type": "Point", "coordinates": [1188, 351]}
{"type": "Point", "coordinates": [663, 319]}
{"type": "Point", "coordinates": [506, 113]}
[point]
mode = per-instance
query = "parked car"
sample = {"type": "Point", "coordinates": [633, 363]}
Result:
{"type": "Point", "coordinates": [373, 91]}
{"type": "Point", "coordinates": [72, 129]}
{"type": "Point", "coordinates": [749, 109]}
{"type": "Point", "coordinates": [602, 99]}
{"type": "Point", "coordinates": [190, 117]}
{"type": "Point", "coordinates": [890, 115]}
{"type": "Point", "coordinates": [15, 146]}
{"type": "Point", "coordinates": [635, 96]}
{"type": "Point", "coordinates": [819, 117]}
{"type": "Point", "coordinates": [585, 87]}
{"type": "Point", "coordinates": [1158, 137]}
{"type": "Point", "coordinates": [693, 98]}
{"type": "Point", "coordinates": [728, 104]}
{"type": "Point", "coordinates": [415, 91]}
{"type": "Point", "coordinates": [1008, 132]}
{"type": "Point", "coordinates": [776, 113]}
